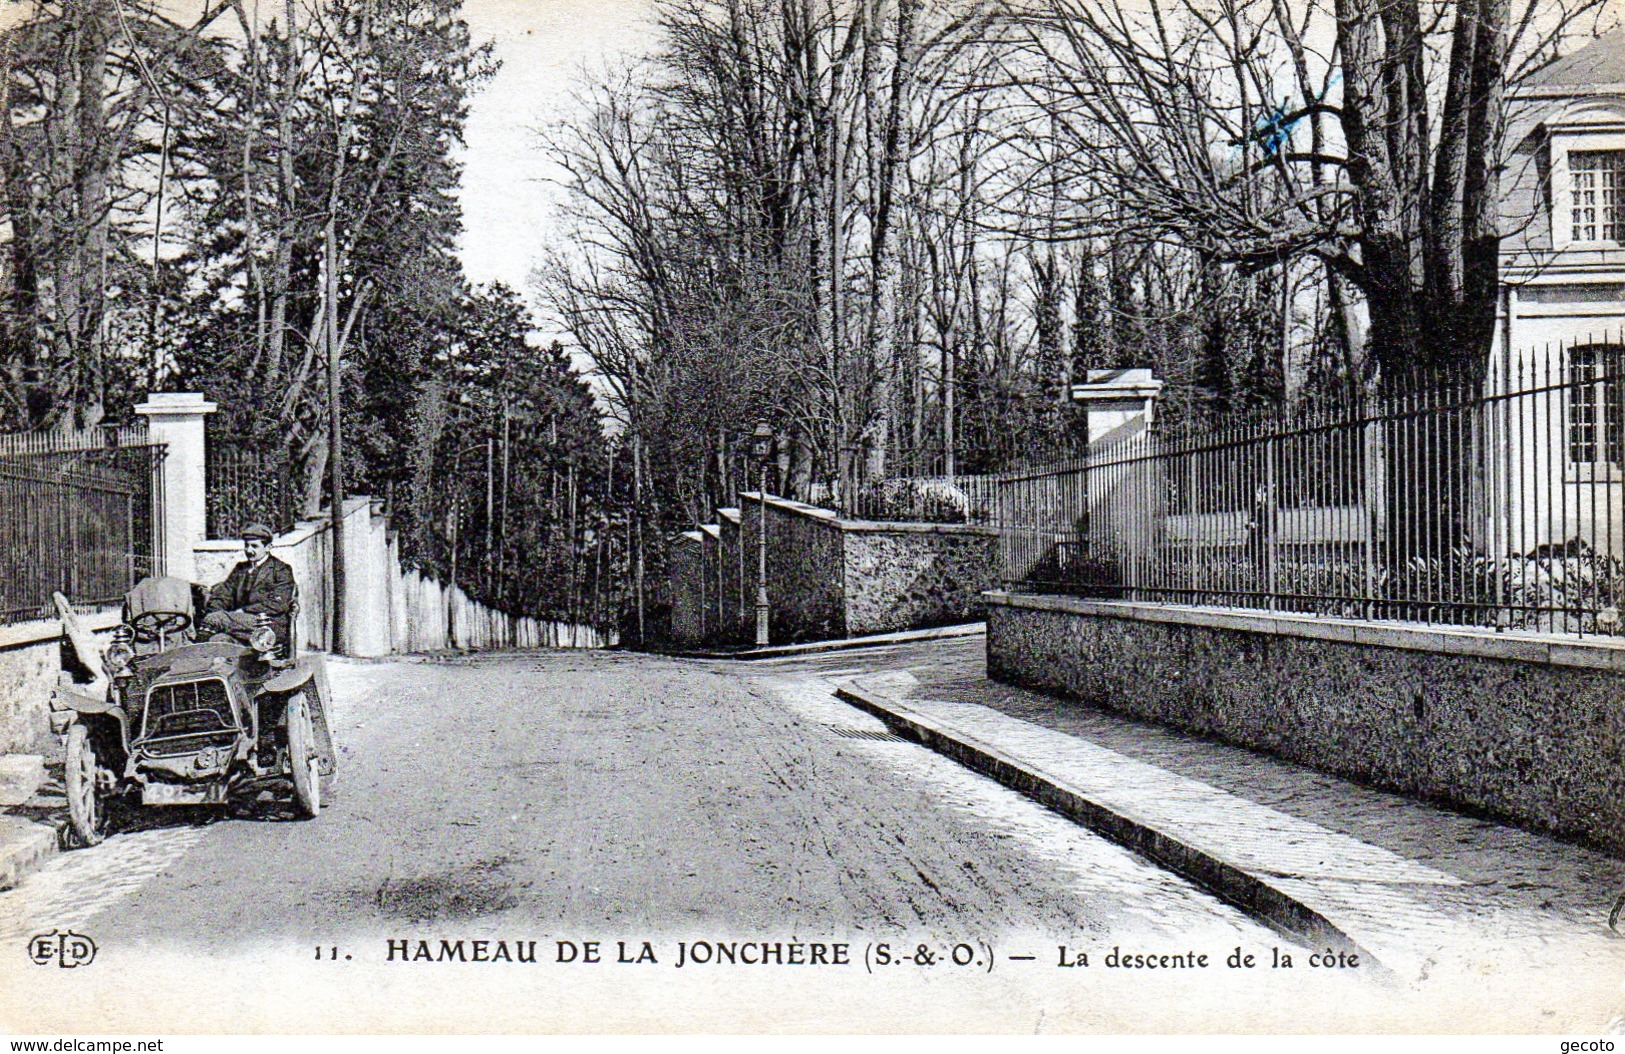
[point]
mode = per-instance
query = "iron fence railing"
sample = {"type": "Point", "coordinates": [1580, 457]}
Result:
{"type": "Point", "coordinates": [77, 516]}
{"type": "Point", "coordinates": [1497, 503]}
{"type": "Point", "coordinates": [248, 484]}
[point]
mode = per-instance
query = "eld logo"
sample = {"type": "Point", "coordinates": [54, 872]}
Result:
{"type": "Point", "coordinates": [67, 950]}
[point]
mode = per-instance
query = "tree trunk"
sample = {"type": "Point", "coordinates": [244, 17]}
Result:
{"type": "Point", "coordinates": [314, 464]}
{"type": "Point", "coordinates": [94, 206]}
{"type": "Point", "coordinates": [287, 195]}
{"type": "Point", "coordinates": [893, 147]}
{"type": "Point", "coordinates": [1481, 192]}
{"type": "Point", "coordinates": [1429, 262]}
{"type": "Point", "coordinates": [429, 422]}
{"type": "Point", "coordinates": [335, 426]}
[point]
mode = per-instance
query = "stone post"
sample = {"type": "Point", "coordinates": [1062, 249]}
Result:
{"type": "Point", "coordinates": [175, 419]}
{"type": "Point", "coordinates": [1120, 403]}
{"type": "Point", "coordinates": [1118, 510]}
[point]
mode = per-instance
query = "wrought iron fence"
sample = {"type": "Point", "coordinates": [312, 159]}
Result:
{"type": "Point", "coordinates": [77, 515]}
{"type": "Point", "coordinates": [248, 484]}
{"type": "Point", "coordinates": [1494, 504]}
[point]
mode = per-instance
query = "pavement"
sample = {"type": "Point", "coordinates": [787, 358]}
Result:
{"type": "Point", "coordinates": [1330, 863]}
{"type": "Point", "coordinates": [33, 824]}
{"type": "Point", "coordinates": [619, 797]}
{"type": "Point", "coordinates": [1402, 882]}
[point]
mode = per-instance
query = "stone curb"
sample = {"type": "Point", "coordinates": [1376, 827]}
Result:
{"type": "Point", "coordinates": [20, 777]}
{"type": "Point", "coordinates": [969, 629]}
{"type": "Point", "coordinates": [25, 846]}
{"type": "Point", "coordinates": [1249, 890]}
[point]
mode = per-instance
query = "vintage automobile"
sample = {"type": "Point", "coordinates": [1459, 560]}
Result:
{"type": "Point", "coordinates": [169, 720]}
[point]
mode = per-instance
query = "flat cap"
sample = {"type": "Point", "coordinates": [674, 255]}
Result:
{"type": "Point", "coordinates": [256, 530]}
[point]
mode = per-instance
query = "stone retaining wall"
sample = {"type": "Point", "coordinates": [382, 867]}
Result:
{"type": "Point", "coordinates": [1526, 728]}
{"type": "Point", "coordinates": [732, 625]}
{"type": "Point", "coordinates": [32, 655]}
{"type": "Point", "coordinates": [829, 578]}
{"type": "Point", "coordinates": [912, 576]}
{"type": "Point", "coordinates": [805, 591]}
{"type": "Point", "coordinates": [711, 569]}
{"type": "Point", "coordinates": [687, 583]}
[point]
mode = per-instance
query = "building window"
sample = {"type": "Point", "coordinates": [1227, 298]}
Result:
{"type": "Point", "coordinates": [1597, 179]}
{"type": "Point", "coordinates": [1596, 404]}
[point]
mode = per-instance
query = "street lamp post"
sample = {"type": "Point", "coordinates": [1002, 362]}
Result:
{"type": "Point", "coordinates": [761, 446]}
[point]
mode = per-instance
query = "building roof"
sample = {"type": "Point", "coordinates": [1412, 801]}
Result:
{"type": "Point", "coordinates": [1599, 63]}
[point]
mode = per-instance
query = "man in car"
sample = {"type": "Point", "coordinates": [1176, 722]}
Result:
{"type": "Point", "coordinates": [259, 585]}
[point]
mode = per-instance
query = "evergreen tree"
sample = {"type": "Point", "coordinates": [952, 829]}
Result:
{"type": "Point", "coordinates": [519, 501]}
{"type": "Point", "coordinates": [334, 142]}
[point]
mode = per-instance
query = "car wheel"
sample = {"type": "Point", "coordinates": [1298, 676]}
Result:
{"type": "Point", "coordinates": [302, 759]}
{"type": "Point", "coordinates": [86, 811]}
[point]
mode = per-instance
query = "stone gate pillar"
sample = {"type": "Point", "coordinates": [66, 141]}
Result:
{"type": "Point", "coordinates": [1117, 513]}
{"type": "Point", "coordinates": [1120, 403]}
{"type": "Point", "coordinates": [175, 419]}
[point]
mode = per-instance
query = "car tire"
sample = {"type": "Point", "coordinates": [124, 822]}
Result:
{"type": "Point", "coordinates": [86, 812]}
{"type": "Point", "coordinates": [302, 760]}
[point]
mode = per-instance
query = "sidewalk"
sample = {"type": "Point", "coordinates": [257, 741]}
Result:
{"type": "Point", "coordinates": [1407, 884]}
{"type": "Point", "coordinates": [29, 802]}
{"type": "Point", "coordinates": [779, 651]}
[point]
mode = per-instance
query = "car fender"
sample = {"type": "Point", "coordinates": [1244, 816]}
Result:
{"type": "Point", "coordinates": [295, 676]}
{"type": "Point", "coordinates": [66, 703]}
{"type": "Point", "coordinates": [310, 673]}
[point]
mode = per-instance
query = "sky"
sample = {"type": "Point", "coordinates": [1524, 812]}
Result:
{"type": "Point", "coordinates": [544, 45]}
{"type": "Point", "coordinates": [508, 207]}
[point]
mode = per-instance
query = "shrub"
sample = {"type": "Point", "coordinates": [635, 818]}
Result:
{"type": "Point", "coordinates": [920, 500]}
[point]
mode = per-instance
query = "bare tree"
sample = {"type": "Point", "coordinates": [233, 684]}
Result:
{"type": "Point", "coordinates": [89, 86]}
{"type": "Point", "coordinates": [1255, 131]}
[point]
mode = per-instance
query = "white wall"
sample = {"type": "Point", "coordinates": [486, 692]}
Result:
{"type": "Point", "coordinates": [388, 610]}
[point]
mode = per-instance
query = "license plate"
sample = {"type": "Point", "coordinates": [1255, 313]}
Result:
{"type": "Point", "coordinates": [182, 794]}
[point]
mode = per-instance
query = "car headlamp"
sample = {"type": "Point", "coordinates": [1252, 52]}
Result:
{"type": "Point", "coordinates": [117, 658]}
{"type": "Point", "coordinates": [262, 639]}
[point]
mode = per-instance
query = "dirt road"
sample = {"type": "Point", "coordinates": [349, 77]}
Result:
{"type": "Point", "coordinates": [549, 800]}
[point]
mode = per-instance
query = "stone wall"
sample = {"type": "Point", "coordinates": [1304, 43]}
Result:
{"type": "Point", "coordinates": [711, 568]}
{"type": "Point", "coordinates": [388, 609]}
{"type": "Point", "coordinates": [804, 570]}
{"type": "Point", "coordinates": [829, 578]}
{"type": "Point", "coordinates": [685, 573]}
{"type": "Point", "coordinates": [732, 626]}
{"type": "Point", "coordinates": [32, 655]}
{"type": "Point", "coordinates": [1522, 727]}
{"type": "Point", "coordinates": [910, 576]}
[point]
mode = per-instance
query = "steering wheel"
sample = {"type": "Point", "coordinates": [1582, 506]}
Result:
{"type": "Point", "coordinates": [150, 624]}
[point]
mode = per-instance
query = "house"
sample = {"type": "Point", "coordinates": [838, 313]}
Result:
{"type": "Point", "coordinates": [1556, 441]}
